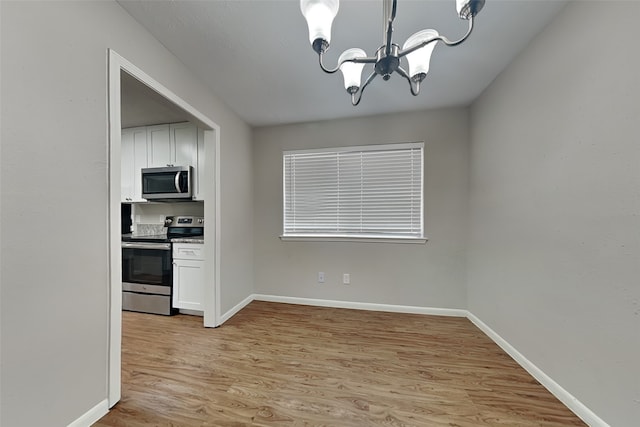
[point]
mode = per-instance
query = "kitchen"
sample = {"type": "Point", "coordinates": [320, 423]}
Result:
{"type": "Point", "coordinates": [162, 205]}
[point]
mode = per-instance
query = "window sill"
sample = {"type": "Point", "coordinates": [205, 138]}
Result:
{"type": "Point", "coordinates": [372, 239]}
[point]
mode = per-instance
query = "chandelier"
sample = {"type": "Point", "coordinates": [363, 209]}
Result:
{"type": "Point", "coordinates": [417, 49]}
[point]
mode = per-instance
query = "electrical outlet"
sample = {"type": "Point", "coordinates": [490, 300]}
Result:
{"type": "Point", "coordinates": [320, 276]}
{"type": "Point", "coordinates": [346, 278]}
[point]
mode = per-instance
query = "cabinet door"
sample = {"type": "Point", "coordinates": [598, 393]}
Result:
{"type": "Point", "coordinates": [159, 146]}
{"type": "Point", "coordinates": [184, 144]}
{"type": "Point", "coordinates": [139, 161]}
{"type": "Point", "coordinates": [126, 166]}
{"type": "Point", "coordinates": [133, 158]}
{"type": "Point", "coordinates": [188, 284]}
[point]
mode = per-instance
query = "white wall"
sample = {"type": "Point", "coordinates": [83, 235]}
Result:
{"type": "Point", "coordinates": [237, 216]}
{"type": "Point", "coordinates": [430, 275]}
{"type": "Point", "coordinates": [554, 254]}
{"type": "Point", "coordinates": [54, 224]}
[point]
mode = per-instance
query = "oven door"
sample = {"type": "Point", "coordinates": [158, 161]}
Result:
{"type": "Point", "coordinates": [147, 263]}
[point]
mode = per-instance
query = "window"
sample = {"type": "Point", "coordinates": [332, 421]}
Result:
{"type": "Point", "coordinates": [365, 192]}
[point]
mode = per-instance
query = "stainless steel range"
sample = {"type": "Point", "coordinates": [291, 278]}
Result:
{"type": "Point", "coordinates": [147, 266]}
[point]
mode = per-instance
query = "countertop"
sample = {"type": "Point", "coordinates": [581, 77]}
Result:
{"type": "Point", "coordinates": [187, 240]}
{"type": "Point", "coordinates": [162, 238]}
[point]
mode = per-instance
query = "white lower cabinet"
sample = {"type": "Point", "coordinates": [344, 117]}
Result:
{"type": "Point", "coordinates": [188, 276]}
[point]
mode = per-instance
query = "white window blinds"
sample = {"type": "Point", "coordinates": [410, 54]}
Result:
{"type": "Point", "coordinates": [366, 191]}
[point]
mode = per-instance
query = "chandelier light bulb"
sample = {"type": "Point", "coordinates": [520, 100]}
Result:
{"type": "Point", "coordinates": [351, 71]}
{"type": "Point", "coordinates": [468, 8]}
{"type": "Point", "coordinates": [419, 60]}
{"type": "Point", "coordinates": [460, 6]}
{"type": "Point", "coordinates": [319, 15]}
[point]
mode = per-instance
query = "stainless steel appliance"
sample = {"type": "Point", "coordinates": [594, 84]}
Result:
{"type": "Point", "coordinates": [147, 266]}
{"type": "Point", "coordinates": [168, 183]}
{"type": "Point", "coordinates": [147, 277]}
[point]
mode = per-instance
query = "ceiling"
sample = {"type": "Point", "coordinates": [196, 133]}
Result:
{"type": "Point", "coordinates": [255, 54]}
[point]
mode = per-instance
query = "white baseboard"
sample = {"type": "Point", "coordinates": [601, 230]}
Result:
{"type": "Point", "coordinates": [556, 389]}
{"type": "Point", "coordinates": [363, 305]}
{"type": "Point", "coordinates": [229, 314]}
{"type": "Point", "coordinates": [92, 415]}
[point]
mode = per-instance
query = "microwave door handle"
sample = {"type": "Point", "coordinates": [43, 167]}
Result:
{"type": "Point", "coordinates": [177, 182]}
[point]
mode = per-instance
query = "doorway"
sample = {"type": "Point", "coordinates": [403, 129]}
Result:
{"type": "Point", "coordinates": [117, 65]}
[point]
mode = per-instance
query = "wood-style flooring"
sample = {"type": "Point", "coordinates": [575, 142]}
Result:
{"type": "Point", "coordinates": [281, 364]}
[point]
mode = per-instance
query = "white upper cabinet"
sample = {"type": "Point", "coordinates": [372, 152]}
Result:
{"type": "Point", "coordinates": [172, 145]}
{"type": "Point", "coordinates": [184, 144]}
{"type": "Point", "coordinates": [176, 144]}
{"type": "Point", "coordinates": [134, 158]}
{"type": "Point", "coordinates": [159, 148]}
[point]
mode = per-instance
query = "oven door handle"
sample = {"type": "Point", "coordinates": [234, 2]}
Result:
{"type": "Point", "coordinates": [134, 245]}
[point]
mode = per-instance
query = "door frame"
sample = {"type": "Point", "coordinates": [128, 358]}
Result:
{"type": "Point", "coordinates": [117, 64]}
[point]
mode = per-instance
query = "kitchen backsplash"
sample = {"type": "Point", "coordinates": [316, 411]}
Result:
{"type": "Point", "coordinates": [148, 218]}
{"type": "Point", "coordinates": [149, 229]}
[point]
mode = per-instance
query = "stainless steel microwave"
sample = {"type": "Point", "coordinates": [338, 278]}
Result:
{"type": "Point", "coordinates": [167, 183]}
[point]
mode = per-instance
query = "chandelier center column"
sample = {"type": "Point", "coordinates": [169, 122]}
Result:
{"type": "Point", "coordinates": [386, 15]}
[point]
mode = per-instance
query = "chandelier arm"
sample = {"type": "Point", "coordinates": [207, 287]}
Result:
{"type": "Point", "coordinates": [326, 70]}
{"type": "Point", "coordinates": [443, 39]}
{"type": "Point", "coordinates": [414, 91]}
{"type": "Point", "coordinates": [366, 60]}
{"type": "Point", "coordinates": [355, 101]}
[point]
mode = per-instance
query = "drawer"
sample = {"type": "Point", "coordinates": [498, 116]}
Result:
{"type": "Point", "coordinates": [146, 289]}
{"type": "Point", "coordinates": [145, 303]}
{"type": "Point", "coordinates": [188, 251]}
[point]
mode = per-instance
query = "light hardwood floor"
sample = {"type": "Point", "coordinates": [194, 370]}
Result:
{"type": "Point", "coordinates": [280, 364]}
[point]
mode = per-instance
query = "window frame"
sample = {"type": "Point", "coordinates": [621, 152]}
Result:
{"type": "Point", "coordinates": [363, 237]}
